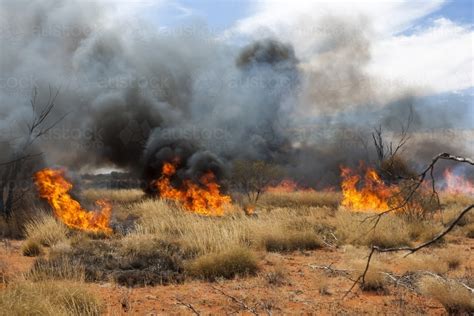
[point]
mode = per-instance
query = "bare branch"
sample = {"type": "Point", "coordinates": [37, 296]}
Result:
{"type": "Point", "coordinates": [188, 305]}
{"type": "Point", "coordinates": [238, 301]}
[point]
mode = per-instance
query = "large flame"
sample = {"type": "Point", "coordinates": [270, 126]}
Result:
{"type": "Point", "coordinates": [370, 196]}
{"type": "Point", "coordinates": [457, 184]}
{"type": "Point", "coordinates": [54, 188]}
{"type": "Point", "coordinates": [204, 198]}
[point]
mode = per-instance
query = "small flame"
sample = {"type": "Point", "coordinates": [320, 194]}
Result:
{"type": "Point", "coordinates": [287, 186]}
{"type": "Point", "coordinates": [204, 199]}
{"type": "Point", "coordinates": [372, 196]}
{"type": "Point", "coordinates": [457, 184]}
{"type": "Point", "coordinates": [53, 187]}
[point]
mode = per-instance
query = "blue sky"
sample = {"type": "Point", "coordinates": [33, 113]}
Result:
{"type": "Point", "coordinates": [425, 45]}
{"type": "Point", "coordinates": [224, 13]}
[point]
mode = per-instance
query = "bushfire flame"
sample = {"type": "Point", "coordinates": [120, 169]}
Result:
{"type": "Point", "coordinates": [371, 196]}
{"type": "Point", "coordinates": [54, 187]}
{"type": "Point", "coordinates": [456, 184]}
{"type": "Point", "coordinates": [204, 198]}
{"type": "Point", "coordinates": [287, 186]}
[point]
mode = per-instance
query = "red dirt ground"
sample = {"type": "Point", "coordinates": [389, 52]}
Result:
{"type": "Point", "coordinates": [300, 292]}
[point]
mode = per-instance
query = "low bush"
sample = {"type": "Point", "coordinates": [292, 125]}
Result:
{"type": "Point", "coordinates": [226, 264]}
{"type": "Point", "coordinates": [46, 230]}
{"type": "Point", "coordinates": [48, 298]}
{"type": "Point", "coordinates": [456, 299]}
{"type": "Point", "coordinates": [291, 241]}
{"type": "Point", "coordinates": [31, 248]}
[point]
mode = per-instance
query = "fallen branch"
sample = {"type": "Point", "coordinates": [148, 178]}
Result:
{"type": "Point", "coordinates": [410, 250]}
{"type": "Point", "coordinates": [236, 300]}
{"type": "Point", "coordinates": [188, 305]}
{"type": "Point", "coordinates": [421, 178]}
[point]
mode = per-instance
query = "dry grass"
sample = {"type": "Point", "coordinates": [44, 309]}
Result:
{"type": "Point", "coordinates": [452, 258]}
{"type": "Point", "coordinates": [455, 298]}
{"type": "Point", "coordinates": [48, 298]}
{"type": "Point", "coordinates": [301, 199]}
{"type": "Point", "coordinates": [351, 228]}
{"type": "Point", "coordinates": [31, 248]}
{"type": "Point", "coordinates": [57, 268]}
{"type": "Point", "coordinates": [375, 281]}
{"type": "Point", "coordinates": [469, 230]}
{"type": "Point", "coordinates": [46, 230]}
{"type": "Point", "coordinates": [122, 196]}
{"type": "Point", "coordinates": [286, 241]}
{"type": "Point", "coordinates": [226, 264]}
{"type": "Point", "coordinates": [277, 276]}
{"type": "Point", "coordinates": [423, 262]}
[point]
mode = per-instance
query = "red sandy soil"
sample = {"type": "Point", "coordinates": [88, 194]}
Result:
{"type": "Point", "coordinates": [300, 293]}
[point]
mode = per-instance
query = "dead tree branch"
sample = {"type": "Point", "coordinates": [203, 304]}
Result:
{"type": "Point", "coordinates": [421, 178]}
{"type": "Point", "coordinates": [188, 305]}
{"type": "Point", "coordinates": [241, 303]}
{"type": "Point", "coordinates": [418, 182]}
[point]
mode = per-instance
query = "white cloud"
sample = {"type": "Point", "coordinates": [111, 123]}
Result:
{"type": "Point", "coordinates": [438, 57]}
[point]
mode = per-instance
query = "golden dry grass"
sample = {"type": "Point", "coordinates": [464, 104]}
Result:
{"type": "Point", "coordinates": [46, 230]}
{"type": "Point", "coordinates": [226, 264]}
{"type": "Point", "coordinates": [115, 196]}
{"type": "Point", "coordinates": [31, 248]}
{"type": "Point", "coordinates": [48, 298]}
{"type": "Point", "coordinates": [456, 299]}
{"type": "Point", "coordinates": [301, 199]}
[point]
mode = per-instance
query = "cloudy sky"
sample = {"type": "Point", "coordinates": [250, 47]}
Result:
{"type": "Point", "coordinates": [427, 44]}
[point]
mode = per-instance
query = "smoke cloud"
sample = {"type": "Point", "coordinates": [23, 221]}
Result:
{"type": "Point", "coordinates": [133, 97]}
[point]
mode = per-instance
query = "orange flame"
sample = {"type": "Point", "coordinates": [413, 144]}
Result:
{"type": "Point", "coordinates": [54, 188]}
{"type": "Point", "coordinates": [287, 186]}
{"type": "Point", "coordinates": [372, 196]}
{"type": "Point", "coordinates": [204, 199]}
{"type": "Point", "coordinates": [457, 184]}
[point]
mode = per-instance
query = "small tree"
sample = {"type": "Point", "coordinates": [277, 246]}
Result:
{"type": "Point", "coordinates": [252, 177]}
{"type": "Point", "coordinates": [22, 153]}
{"type": "Point", "coordinates": [390, 164]}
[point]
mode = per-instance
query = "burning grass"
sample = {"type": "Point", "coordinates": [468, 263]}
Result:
{"type": "Point", "coordinates": [54, 188]}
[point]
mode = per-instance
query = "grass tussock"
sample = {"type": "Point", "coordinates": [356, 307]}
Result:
{"type": "Point", "coordinates": [31, 248]}
{"type": "Point", "coordinates": [456, 299]}
{"type": "Point", "coordinates": [281, 241]}
{"type": "Point", "coordinates": [452, 258]}
{"type": "Point", "coordinates": [46, 230]}
{"type": "Point", "coordinates": [281, 229]}
{"type": "Point", "coordinates": [143, 262]}
{"type": "Point", "coordinates": [48, 298]}
{"type": "Point", "coordinates": [117, 196]}
{"type": "Point", "coordinates": [301, 199]}
{"type": "Point", "coordinates": [469, 230]}
{"type": "Point", "coordinates": [277, 276]}
{"type": "Point", "coordinates": [56, 268]}
{"type": "Point", "coordinates": [4, 276]}
{"type": "Point", "coordinates": [236, 261]}
{"type": "Point", "coordinates": [354, 228]}
{"type": "Point", "coordinates": [375, 281]}
{"type": "Point", "coordinates": [423, 262]}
